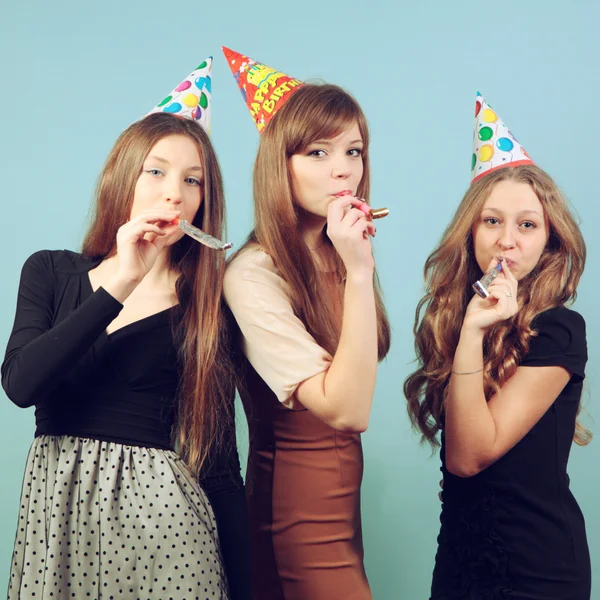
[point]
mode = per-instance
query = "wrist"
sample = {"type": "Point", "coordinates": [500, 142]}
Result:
{"type": "Point", "coordinates": [472, 331]}
{"type": "Point", "coordinates": [359, 275]}
{"type": "Point", "coordinates": [471, 336]}
{"type": "Point", "coordinates": [120, 287]}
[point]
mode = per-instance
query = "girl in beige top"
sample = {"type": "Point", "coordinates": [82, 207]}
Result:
{"type": "Point", "coordinates": [304, 293]}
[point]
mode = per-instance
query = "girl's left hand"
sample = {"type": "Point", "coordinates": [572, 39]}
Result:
{"type": "Point", "coordinates": [499, 306]}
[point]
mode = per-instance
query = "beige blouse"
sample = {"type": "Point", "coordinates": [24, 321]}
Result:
{"type": "Point", "coordinates": [275, 340]}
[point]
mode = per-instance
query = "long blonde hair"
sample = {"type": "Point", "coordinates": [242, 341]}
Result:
{"type": "Point", "coordinates": [449, 272]}
{"type": "Point", "coordinates": [313, 112]}
{"type": "Point", "coordinates": [199, 326]}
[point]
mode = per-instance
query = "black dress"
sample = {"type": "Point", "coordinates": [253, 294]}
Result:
{"type": "Point", "coordinates": [515, 530]}
{"type": "Point", "coordinates": [108, 509]}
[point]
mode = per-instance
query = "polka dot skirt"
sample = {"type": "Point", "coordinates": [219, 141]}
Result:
{"type": "Point", "coordinates": [108, 521]}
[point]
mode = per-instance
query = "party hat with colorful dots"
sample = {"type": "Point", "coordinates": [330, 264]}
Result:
{"type": "Point", "coordinates": [192, 97]}
{"type": "Point", "coordinates": [264, 89]}
{"type": "Point", "coordinates": [494, 146]}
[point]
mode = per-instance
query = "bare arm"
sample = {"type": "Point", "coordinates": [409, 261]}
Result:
{"type": "Point", "coordinates": [338, 389]}
{"type": "Point", "coordinates": [477, 432]}
{"type": "Point", "coordinates": [342, 395]}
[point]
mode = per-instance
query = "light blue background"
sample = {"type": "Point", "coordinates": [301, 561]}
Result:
{"type": "Point", "coordinates": [75, 74]}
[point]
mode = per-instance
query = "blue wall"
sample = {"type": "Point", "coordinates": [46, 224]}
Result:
{"type": "Point", "coordinates": [75, 74]}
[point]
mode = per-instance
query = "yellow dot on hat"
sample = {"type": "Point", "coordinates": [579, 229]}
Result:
{"type": "Point", "coordinates": [486, 152]}
{"type": "Point", "coordinates": [489, 116]}
{"type": "Point", "coordinates": [191, 100]}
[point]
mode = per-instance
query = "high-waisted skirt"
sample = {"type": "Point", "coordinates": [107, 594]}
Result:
{"type": "Point", "coordinates": [109, 521]}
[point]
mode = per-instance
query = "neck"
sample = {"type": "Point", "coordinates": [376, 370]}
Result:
{"type": "Point", "coordinates": [160, 274]}
{"type": "Point", "coordinates": [312, 230]}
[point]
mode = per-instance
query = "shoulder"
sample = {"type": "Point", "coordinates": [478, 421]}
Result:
{"type": "Point", "coordinates": [250, 261]}
{"type": "Point", "coordinates": [73, 263]}
{"type": "Point", "coordinates": [562, 324]}
{"type": "Point", "coordinates": [251, 269]}
{"type": "Point", "coordinates": [559, 340]}
{"type": "Point", "coordinates": [43, 262]}
{"type": "Point", "coordinates": [54, 269]}
{"type": "Point", "coordinates": [52, 261]}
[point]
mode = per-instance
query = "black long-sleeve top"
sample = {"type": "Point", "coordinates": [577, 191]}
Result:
{"type": "Point", "coordinates": [118, 387]}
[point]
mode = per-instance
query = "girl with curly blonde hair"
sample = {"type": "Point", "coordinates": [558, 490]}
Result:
{"type": "Point", "coordinates": [501, 378]}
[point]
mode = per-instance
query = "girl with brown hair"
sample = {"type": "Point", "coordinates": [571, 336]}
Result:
{"type": "Point", "coordinates": [304, 293]}
{"type": "Point", "coordinates": [501, 377]}
{"type": "Point", "coordinates": [122, 350]}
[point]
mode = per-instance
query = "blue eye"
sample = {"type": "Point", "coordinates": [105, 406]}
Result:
{"type": "Point", "coordinates": [193, 181]}
{"type": "Point", "coordinates": [154, 172]}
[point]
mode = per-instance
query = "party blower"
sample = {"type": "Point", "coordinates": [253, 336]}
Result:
{"type": "Point", "coordinates": [376, 213]}
{"type": "Point", "coordinates": [201, 236]}
{"type": "Point", "coordinates": [373, 213]}
{"type": "Point", "coordinates": [481, 286]}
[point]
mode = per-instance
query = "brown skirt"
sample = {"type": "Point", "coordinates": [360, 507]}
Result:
{"type": "Point", "coordinates": [303, 486]}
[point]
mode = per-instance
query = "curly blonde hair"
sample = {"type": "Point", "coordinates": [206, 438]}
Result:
{"type": "Point", "coordinates": [449, 273]}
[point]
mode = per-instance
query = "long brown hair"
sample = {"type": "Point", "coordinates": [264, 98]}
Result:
{"type": "Point", "coordinates": [449, 272]}
{"type": "Point", "coordinates": [313, 112]}
{"type": "Point", "coordinates": [199, 327]}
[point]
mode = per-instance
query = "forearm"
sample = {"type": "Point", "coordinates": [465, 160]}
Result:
{"type": "Point", "coordinates": [350, 381]}
{"type": "Point", "coordinates": [33, 367]}
{"type": "Point", "coordinates": [469, 427]}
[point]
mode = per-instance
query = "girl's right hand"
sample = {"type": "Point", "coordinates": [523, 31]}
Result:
{"type": "Point", "coordinates": [501, 304]}
{"type": "Point", "coordinates": [349, 229]}
{"type": "Point", "coordinates": [140, 241]}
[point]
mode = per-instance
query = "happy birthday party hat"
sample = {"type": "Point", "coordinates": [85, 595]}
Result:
{"type": "Point", "coordinates": [192, 97]}
{"type": "Point", "coordinates": [265, 90]}
{"type": "Point", "coordinates": [494, 146]}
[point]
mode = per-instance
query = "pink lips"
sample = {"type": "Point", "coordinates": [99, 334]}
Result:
{"type": "Point", "coordinates": [511, 263]}
{"type": "Point", "coordinates": [343, 193]}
